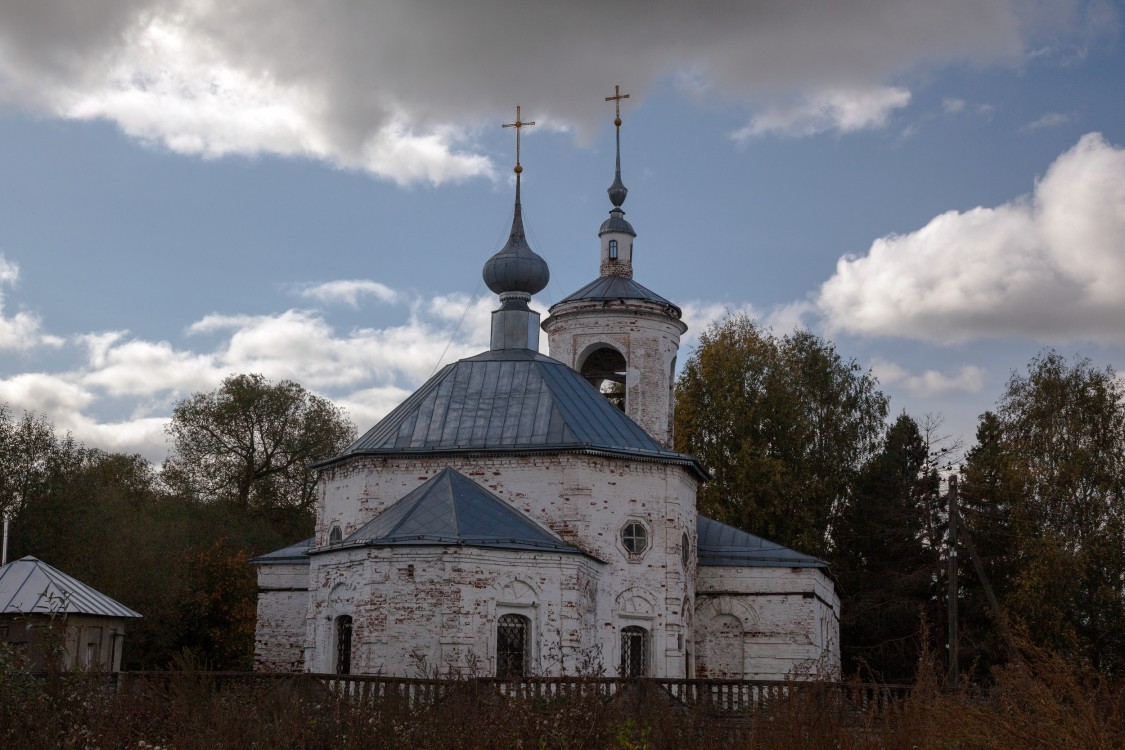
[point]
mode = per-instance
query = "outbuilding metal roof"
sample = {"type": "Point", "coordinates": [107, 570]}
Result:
{"type": "Point", "coordinates": [29, 585]}
{"type": "Point", "coordinates": [510, 401]}
{"type": "Point", "coordinates": [297, 552]}
{"type": "Point", "coordinates": [721, 545]}
{"type": "Point", "coordinates": [609, 288]}
{"type": "Point", "coordinates": [449, 508]}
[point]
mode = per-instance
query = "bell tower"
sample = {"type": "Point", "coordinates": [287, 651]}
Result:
{"type": "Point", "coordinates": [620, 336]}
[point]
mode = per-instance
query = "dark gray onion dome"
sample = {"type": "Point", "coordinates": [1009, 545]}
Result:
{"type": "Point", "coordinates": [616, 223]}
{"type": "Point", "coordinates": [516, 268]}
{"type": "Point", "coordinates": [617, 191]}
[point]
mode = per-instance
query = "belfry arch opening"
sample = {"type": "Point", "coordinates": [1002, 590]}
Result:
{"type": "Point", "coordinates": [604, 368]}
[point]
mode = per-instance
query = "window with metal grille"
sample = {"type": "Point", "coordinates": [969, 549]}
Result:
{"type": "Point", "coordinates": [635, 538]}
{"type": "Point", "coordinates": [512, 649]}
{"type": "Point", "coordinates": [634, 651]}
{"type": "Point", "coordinates": [344, 644]}
{"type": "Point", "coordinates": [613, 249]}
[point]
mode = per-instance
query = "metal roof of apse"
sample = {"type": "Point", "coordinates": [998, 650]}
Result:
{"type": "Point", "coordinates": [29, 585]}
{"type": "Point", "coordinates": [617, 288]}
{"type": "Point", "coordinates": [295, 553]}
{"type": "Point", "coordinates": [510, 401]}
{"type": "Point", "coordinates": [721, 545]}
{"type": "Point", "coordinates": [449, 508]}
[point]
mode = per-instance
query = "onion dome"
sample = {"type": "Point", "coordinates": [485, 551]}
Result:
{"type": "Point", "coordinates": [516, 268]}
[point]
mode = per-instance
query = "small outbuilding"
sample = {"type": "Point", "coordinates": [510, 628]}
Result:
{"type": "Point", "coordinates": [43, 609]}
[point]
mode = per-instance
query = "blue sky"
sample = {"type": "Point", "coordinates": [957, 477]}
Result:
{"type": "Point", "coordinates": [190, 189]}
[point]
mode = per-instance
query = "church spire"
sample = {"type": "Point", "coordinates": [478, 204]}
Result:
{"type": "Point", "coordinates": [617, 191]}
{"type": "Point", "coordinates": [617, 234]}
{"type": "Point", "coordinates": [516, 273]}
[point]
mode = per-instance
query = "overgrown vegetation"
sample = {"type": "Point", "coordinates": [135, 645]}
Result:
{"type": "Point", "coordinates": [1037, 700]}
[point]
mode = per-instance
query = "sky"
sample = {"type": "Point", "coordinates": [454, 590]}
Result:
{"type": "Point", "coordinates": [309, 189]}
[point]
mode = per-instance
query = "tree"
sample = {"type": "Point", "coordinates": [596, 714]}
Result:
{"type": "Point", "coordinates": [1045, 497]}
{"type": "Point", "coordinates": [885, 556]}
{"type": "Point", "coordinates": [783, 424]}
{"type": "Point", "coordinates": [251, 442]}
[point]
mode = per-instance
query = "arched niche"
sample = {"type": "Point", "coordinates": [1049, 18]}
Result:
{"type": "Point", "coordinates": [604, 367]}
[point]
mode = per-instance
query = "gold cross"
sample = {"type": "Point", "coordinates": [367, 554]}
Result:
{"type": "Point", "coordinates": [518, 125]}
{"type": "Point", "coordinates": [616, 99]}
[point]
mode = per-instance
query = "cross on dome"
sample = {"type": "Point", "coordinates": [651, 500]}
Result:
{"type": "Point", "coordinates": [518, 125]}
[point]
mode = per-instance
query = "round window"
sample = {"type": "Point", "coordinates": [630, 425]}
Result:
{"type": "Point", "coordinates": [685, 549]}
{"type": "Point", "coordinates": [635, 538]}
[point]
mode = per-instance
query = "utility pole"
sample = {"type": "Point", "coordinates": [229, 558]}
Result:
{"type": "Point", "coordinates": [951, 582]}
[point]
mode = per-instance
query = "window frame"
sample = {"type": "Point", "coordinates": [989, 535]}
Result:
{"type": "Point", "coordinates": [505, 670]}
{"type": "Point", "coordinates": [342, 629]}
{"type": "Point", "coordinates": [624, 537]}
{"type": "Point", "coordinates": [636, 650]}
{"type": "Point", "coordinates": [612, 249]}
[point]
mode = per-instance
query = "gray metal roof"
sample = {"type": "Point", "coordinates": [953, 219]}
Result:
{"type": "Point", "coordinates": [510, 401]}
{"type": "Point", "coordinates": [449, 508]}
{"type": "Point", "coordinates": [721, 545]}
{"type": "Point", "coordinates": [30, 585]}
{"type": "Point", "coordinates": [616, 221]}
{"type": "Point", "coordinates": [617, 288]}
{"type": "Point", "coordinates": [295, 553]}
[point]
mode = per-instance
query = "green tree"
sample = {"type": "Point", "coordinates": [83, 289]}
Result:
{"type": "Point", "coordinates": [783, 424]}
{"type": "Point", "coordinates": [1045, 498]}
{"type": "Point", "coordinates": [885, 557]}
{"type": "Point", "coordinates": [251, 443]}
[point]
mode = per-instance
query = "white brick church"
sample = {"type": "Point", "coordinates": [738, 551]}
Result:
{"type": "Point", "coordinates": [526, 515]}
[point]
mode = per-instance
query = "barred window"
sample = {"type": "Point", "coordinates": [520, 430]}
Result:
{"type": "Point", "coordinates": [512, 649]}
{"type": "Point", "coordinates": [634, 651]}
{"type": "Point", "coordinates": [344, 644]}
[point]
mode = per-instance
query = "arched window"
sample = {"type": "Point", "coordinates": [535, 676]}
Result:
{"type": "Point", "coordinates": [613, 249]}
{"type": "Point", "coordinates": [604, 369]}
{"type": "Point", "coordinates": [344, 644]}
{"type": "Point", "coordinates": [512, 646]}
{"type": "Point", "coordinates": [685, 550]}
{"type": "Point", "coordinates": [634, 651]}
{"type": "Point", "coordinates": [335, 535]}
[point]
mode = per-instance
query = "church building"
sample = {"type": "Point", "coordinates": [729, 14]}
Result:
{"type": "Point", "coordinates": [521, 514]}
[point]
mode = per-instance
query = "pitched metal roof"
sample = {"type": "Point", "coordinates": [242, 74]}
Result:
{"type": "Point", "coordinates": [296, 553]}
{"type": "Point", "coordinates": [617, 288]}
{"type": "Point", "coordinates": [449, 508]}
{"type": "Point", "coordinates": [510, 401]}
{"type": "Point", "coordinates": [721, 545]}
{"type": "Point", "coordinates": [30, 585]}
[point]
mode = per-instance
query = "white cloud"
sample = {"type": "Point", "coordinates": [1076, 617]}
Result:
{"type": "Point", "coordinates": [367, 371]}
{"type": "Point", "coordinates": [952, 105]}
{"type": "Point", "coordinates": [24, 330]}
{"type": "Point", "coordinates": [401, 87]}
{"type": "Point", "coordinates": [842, 110]}
{"type": "Point", "coordinates": [967, 379]}
{"type": "Point", "coordinates": [349, 291]}
{"type": "Point", "coordinates": [1050, 266]}
{"type": "Point", "coordinates": [1049, 120]}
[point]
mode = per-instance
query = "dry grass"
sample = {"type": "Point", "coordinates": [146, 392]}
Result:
{"type": "Point", "coordinates": [1038, 701]}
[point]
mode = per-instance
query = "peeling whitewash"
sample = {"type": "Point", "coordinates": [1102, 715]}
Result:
{"type": "Point", "coordinates": [417, 610]}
